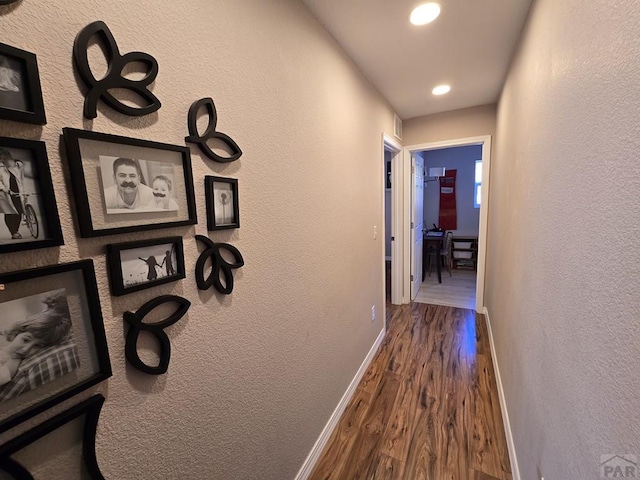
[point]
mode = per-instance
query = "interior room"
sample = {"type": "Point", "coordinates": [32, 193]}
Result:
{"type": "Point", "coordinates": [457, 287]}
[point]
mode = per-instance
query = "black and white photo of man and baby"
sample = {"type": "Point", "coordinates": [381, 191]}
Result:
{"type": "Point", "coordinates": [28, 327]}
{"type": "Point", "coordinates": [126, 187]}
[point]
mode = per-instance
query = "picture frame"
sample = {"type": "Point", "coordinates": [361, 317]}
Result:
{"type": "Point", "coordinates": [20, 91]}
{"type": "Point", "coordinates": [136, 185]}
{"type": "Point", "coordinates": [53, 338]}
{"type": "Point", "coordinates": [130, 272]}
{"type": "Point", "coordinates": [221, 195]}
{"type": "Point", "coordinates": [27, 199]}
{"type": "Point", "coordinates": [89, 409]}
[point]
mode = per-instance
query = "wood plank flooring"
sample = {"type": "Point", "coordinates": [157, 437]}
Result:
{"type": "Point", "coordinates": [459, 290]}
{"type": "Point", "coordinates": [426, 409]}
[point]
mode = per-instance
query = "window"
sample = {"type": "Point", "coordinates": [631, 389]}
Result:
{"type": "Point", "coordinates": [478, 184]}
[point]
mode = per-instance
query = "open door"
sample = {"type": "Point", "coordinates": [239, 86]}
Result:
{"type": "Point", "coordinates": [396, 227]}
{"type": "Point", "coordinates": [417, 221]}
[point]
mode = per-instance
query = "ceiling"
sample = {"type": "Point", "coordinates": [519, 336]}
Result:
{"type": "Point", "coordinates": [468, 46]}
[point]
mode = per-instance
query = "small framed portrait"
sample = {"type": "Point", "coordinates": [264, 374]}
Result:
{"type": "Point", "coordinates": [124, 184]}
{"type": "Point", "coordinates": [52, 340]}
{"type": "Point", "coordinates": [222, 202]}
{"type": "Point", "coordinates": [138, 265]}
{"type": "Point", "coordinates": [27, 202]}
{"type": "Point", "coordinates": [20, 92]}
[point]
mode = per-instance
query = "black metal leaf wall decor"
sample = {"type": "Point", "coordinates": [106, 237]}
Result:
{"type": "Point", "coordinates": [90, 408]}
{"type": "Point", "coordinates": [7, 2]}
{"type": "Point", "coordinates": [218, 265]}
{"type": "Point", "coordinates": [136, 326]}
{"type": "Point", "coordinates": [210, 133]}
{"type": "Point", "coordinates": [99, 88]}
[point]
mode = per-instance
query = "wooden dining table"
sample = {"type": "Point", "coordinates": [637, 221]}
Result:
{"type": "Point", "coordinates": [432, 241]}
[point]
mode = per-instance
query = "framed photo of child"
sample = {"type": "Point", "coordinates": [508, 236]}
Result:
{"type": "Point", "coordinates": [20, 91]}
{"type": "Point", "coordinates": [138, 265]}
{"type": "Point", "coordinates": [221, 195]}
{"type": "Point", "coordinates": [52, 339]}
{"type": "Point", "coordinates": [125, 184]}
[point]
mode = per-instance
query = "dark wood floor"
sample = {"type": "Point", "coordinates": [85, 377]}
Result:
{"type": "Point", "coordinates": [427, 407]}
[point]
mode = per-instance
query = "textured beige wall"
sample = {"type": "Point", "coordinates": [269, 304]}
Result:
{"type": "Point", "coordinates": [464, 123]}
{"type": "Point", "coordinates": [253, 376]}
{"type": "Point", "coordinates": [563, 270]}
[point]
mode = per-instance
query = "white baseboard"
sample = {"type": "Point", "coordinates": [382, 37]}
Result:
{"type": "Point", "coordinates": [515, 470]}
{"type": "Point", "coordinates": [312, 458]}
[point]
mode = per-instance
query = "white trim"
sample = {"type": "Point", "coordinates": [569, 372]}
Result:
{"type": "Point", "coordinates": [515, 470]}
{"type": "Point", "coordinates": [485, 141]}
{"type": "Point", "coordinates": [483, 224]}
{"type": "Point", "coordinates": [397, 230]}
{"type": "Point", "coordinates": [316, 451]}
{"type": "Point", "coordinates": [406, 225]}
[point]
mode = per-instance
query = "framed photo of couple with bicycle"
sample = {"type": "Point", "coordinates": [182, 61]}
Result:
{"type": "Point", "coordinates": [27, 201]}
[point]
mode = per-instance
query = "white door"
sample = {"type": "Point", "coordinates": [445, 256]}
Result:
{"type": "Point", "coordinates": [417, 222]}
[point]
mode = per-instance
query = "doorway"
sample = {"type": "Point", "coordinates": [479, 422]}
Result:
{"type": "Point", "coordinates": [463, 167]}
{"type": "Point", "coordinates": [408, 252]}
{"type": "Point", "coordinates": [392, 206]}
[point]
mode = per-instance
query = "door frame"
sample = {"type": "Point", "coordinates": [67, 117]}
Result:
{"type": "Point", "coordinates": [405, 213]}
{"type": "Point", "coordinates": [397, 208]}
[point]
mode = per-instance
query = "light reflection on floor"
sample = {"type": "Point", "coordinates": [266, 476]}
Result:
{"type": "Point", "coordinates": [458, 290]}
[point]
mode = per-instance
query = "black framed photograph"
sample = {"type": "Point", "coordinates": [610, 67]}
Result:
{"type": "Point", "coordinates": [52, 339]}
{"type": "Point", "coordinates": [20, 92]}
{"type": "Point", "coordinates": [222, 202]}
{"type": "Point", "coordinates": [14, 464]}
{"type": "Point", "coordinates": [123, 184]}
{"type": "Point", "coordinates": [138, 265]}
{"type": "Point", "coordinates": [27, 201]}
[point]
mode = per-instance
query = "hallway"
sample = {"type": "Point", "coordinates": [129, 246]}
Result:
{"type": "Point", "coordinates": [427, 407]}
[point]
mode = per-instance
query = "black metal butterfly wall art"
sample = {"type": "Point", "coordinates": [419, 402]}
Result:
{"type": "Point", "coordinates": [218, 265]}
{"type": "Point", "coordinates": [137, 326]}
{"type": "Point", "coordinates": [210, 133]}
{"type": "Point", "coordinates": [116, 63]}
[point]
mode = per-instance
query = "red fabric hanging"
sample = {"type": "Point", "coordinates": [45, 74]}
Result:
{"type": "Point", "coordinates": [448, 218]}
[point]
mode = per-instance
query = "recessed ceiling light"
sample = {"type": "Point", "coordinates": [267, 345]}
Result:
{"type": "Point", "coordinates": [441, 90]}
{"type": "Point", "coordinates": [425, 13]}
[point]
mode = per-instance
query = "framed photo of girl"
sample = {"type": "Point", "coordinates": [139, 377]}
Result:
{"type": "Point", "coordinates": [52, 339]}
{"type": "Point", "coordinates": [20, 92]}
{"type": "Point", "coordinates": [123, 184]}
{"type": "Point", "coordinates": [27, 201]}
{"type": "Point", "coordinates": [143, 264]}
{"type": "Point", "coordinates": [221, 195]}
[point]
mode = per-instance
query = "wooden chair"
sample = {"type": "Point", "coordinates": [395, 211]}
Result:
{"type": "Point", "coordinates": [444, 254]}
